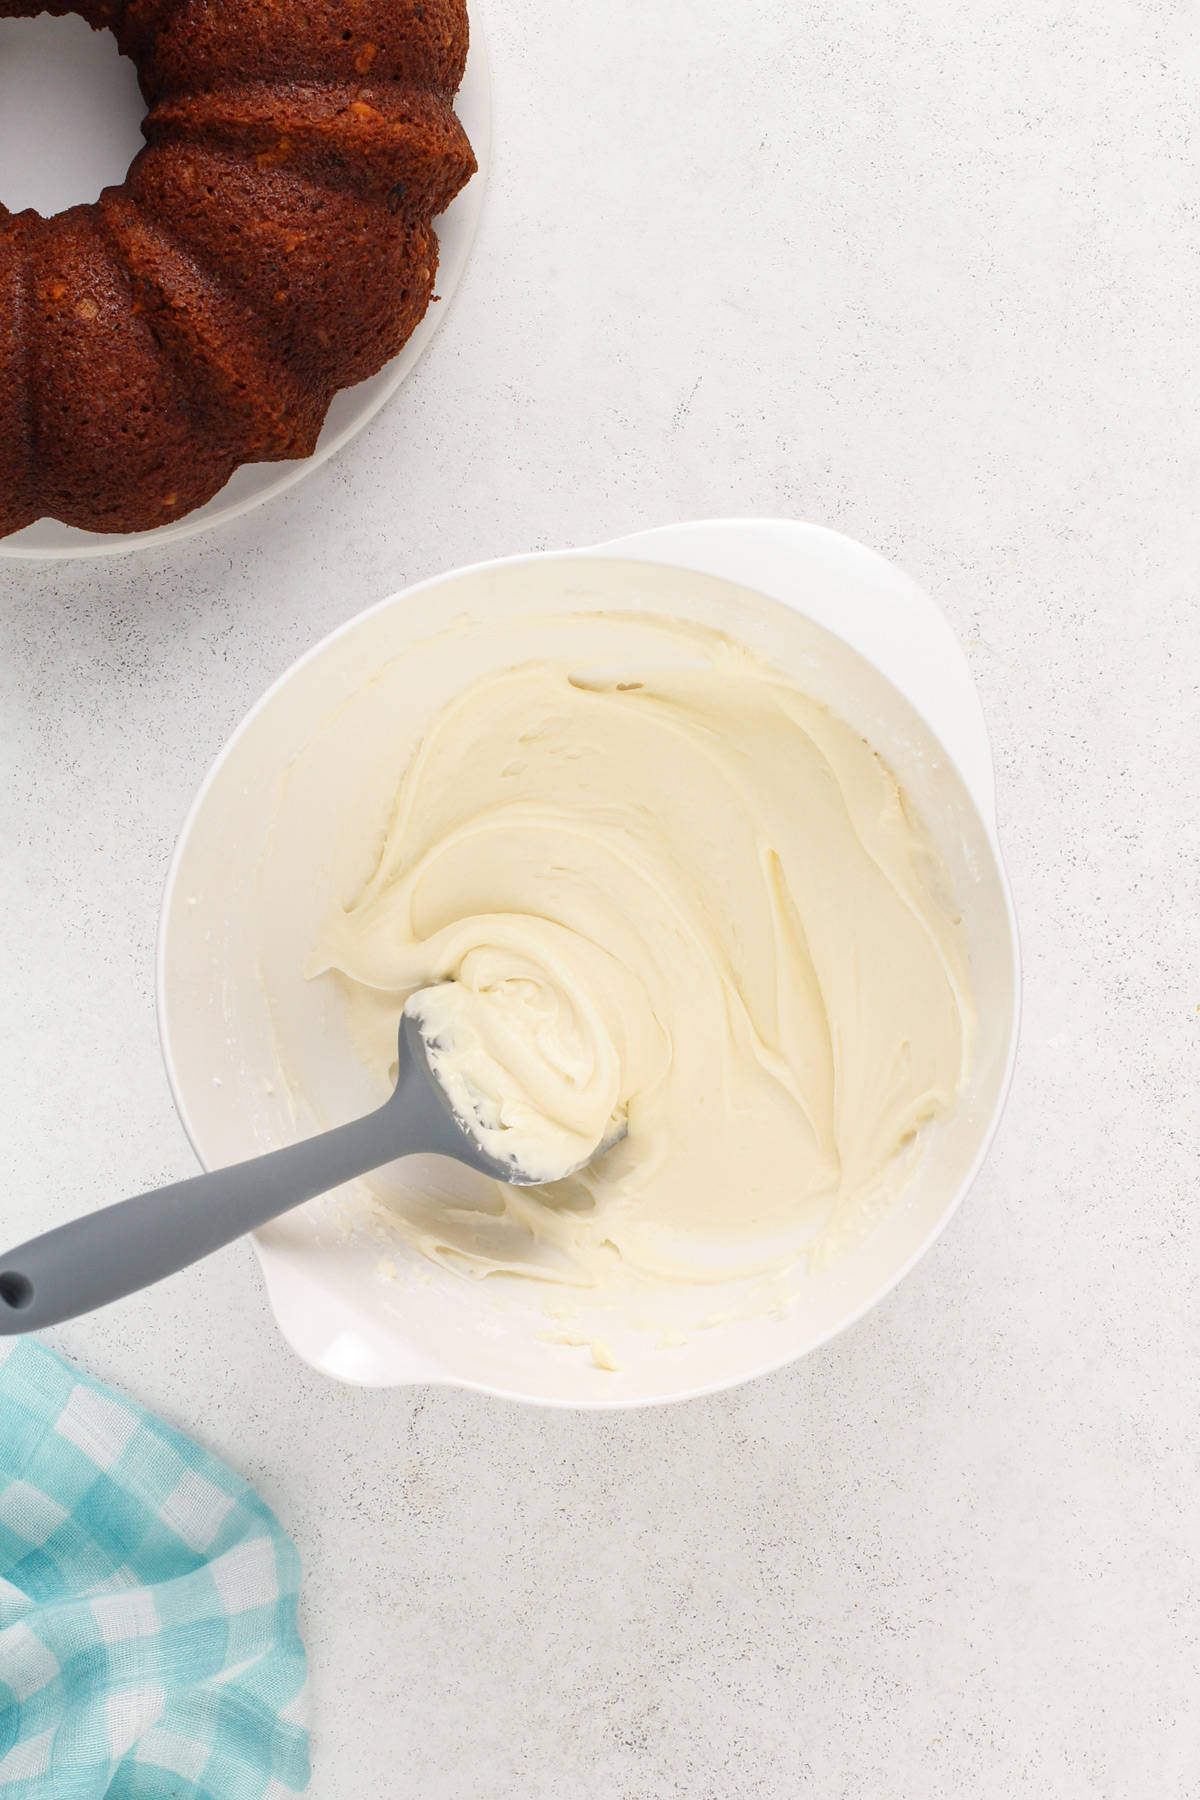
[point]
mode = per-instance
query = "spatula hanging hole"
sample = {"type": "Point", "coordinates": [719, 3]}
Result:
{"type": "Point", "coordinates": [15, 1290]}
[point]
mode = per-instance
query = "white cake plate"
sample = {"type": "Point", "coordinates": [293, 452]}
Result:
{"type": "Point", "coordinates": [23, 45]}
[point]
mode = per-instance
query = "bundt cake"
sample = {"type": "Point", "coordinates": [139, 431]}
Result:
{"type": "Point", "coordinates": [271, 244]}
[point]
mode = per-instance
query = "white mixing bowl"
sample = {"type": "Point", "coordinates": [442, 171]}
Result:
{"type": "Point", "coordinates": [256, 1056]}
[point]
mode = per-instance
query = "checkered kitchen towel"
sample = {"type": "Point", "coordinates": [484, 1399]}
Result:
{"type": "Point", "coordinates": [148, 1639]}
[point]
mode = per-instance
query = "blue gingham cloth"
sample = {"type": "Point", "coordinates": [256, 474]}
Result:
{"type": "Point", "coordinates": [148, 1640]}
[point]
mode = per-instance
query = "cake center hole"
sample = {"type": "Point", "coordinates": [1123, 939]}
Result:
{"type": "Point", "coordinates": [70, 111]}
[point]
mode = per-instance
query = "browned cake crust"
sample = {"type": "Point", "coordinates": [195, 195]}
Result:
{"type": "Point", "coordinates": [84, 423]}
{"type": "Point", "coordinates": [16, 502]}
{"type": "Point", "coordinates": [272, 244]}
{"type": "Point", "coordinates": [186, 46]}
{"type": "Point", "coordinates": [267, 245]}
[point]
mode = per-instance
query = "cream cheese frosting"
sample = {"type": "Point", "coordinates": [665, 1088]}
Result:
{"type": "Point", "coordinates": [529, 1068]}
{"type": "Point", "coordinates": [688, 902]}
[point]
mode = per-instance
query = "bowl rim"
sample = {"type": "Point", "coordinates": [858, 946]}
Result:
{"type": "Point", "coordinates": [621, 548]}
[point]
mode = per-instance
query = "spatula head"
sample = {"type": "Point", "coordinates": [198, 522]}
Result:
{"type": "Point", "coordinates": [431, 1122]}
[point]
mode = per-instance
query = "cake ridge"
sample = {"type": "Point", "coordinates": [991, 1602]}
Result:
{"type": "Point", "coordinates": [16, 496]}
{"type": "Point", "coordinates": [84, 319]}
{"type": "Point", "coordinates": [290, 433]}
{"type": "Point", "coordinates": [184, 43]}
{"type": "Point", "coordinates": [281, 215]}
{"type": "Point", "coordinates": [339, 134]}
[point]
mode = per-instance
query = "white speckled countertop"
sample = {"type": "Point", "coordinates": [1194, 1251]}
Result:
{"type": "Point", "coordinates": [926, 272]}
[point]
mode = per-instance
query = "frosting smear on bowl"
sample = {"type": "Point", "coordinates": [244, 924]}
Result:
{"type": "Point", "coordinates": [687, 900]}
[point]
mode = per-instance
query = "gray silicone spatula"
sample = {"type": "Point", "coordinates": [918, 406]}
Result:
{"type": "Point", "coordinates": [122, 1248]}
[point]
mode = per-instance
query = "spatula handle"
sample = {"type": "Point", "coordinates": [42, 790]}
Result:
{"type": "Point", "coordinates": [121, 1248]}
